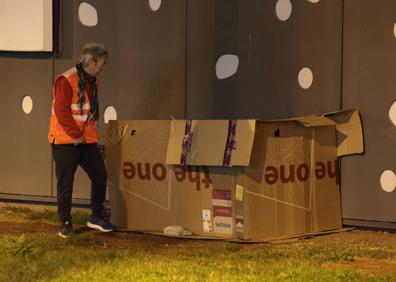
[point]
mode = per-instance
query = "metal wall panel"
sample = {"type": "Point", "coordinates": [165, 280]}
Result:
{"type": "Point", "coordinates": [271, 53]}
{"type": "Point", "coordinates": [369, 85]}
{"type": "Point", "coordinates": [25, 162]}
{"type": "Point", "coordinates": [201, 59]}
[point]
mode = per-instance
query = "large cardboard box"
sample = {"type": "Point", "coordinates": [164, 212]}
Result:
{"type": "Point", "coordinates": [245, 179]}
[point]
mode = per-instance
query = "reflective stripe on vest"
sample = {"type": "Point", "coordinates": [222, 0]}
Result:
{"type": "Point", "coordinates": [76, 107]}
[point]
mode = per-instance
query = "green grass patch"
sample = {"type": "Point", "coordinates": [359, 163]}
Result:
{"type": "Point", "coordinates": [88, 257]}
{"type": "Point", "coordinates": [33, 258]}
{"type": "Point", "coordinates": [83, 258]}
{"type": "Point", "coordinates": [16, 213]}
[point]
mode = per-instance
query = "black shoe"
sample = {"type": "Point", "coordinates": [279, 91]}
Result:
{"type": "Point", "coordinates": [66, 229]}
{"type": "Point", "coordinates": [100, 223]}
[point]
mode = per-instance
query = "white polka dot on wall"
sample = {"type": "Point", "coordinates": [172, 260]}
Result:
{"type": "Point", "coordinates": [388, 181]}
{"type": "Point", "coordinates": [27, 104]}
{"type": "Point", "coordinates": [283, 9]}
{"type": "Point", "coordinates": [305, 78]}
{"type": "Point", "coordinates": [110, 113]}
{"type": "Point", "coordinates": [392, 113]}
{"type": "Point", "coordinates": [394, 30]}
{"type": "Point", "coordinates": [87, 14]}
{"type": "Point", "coordinates": [226, 66]}
{"type": "Point", "coordinates": [155, 4]}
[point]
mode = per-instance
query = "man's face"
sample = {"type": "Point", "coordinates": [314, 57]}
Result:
{"type": "Point", "coordinates": [94, 68]}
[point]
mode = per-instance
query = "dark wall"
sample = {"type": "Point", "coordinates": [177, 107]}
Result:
{"type": "Point", "coordinates": [145, 74]}
{"type": "Point", "coordinates": [271, 53]}
{"type": "Point", "coordinates": [25, 162]}
{"type": "Point", "coordinates": [201, 59]}
{"type": "Point", "coordinates": [369, 85]}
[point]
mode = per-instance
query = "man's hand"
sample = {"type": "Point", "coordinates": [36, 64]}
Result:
{"type": "Point", "coordinates": [79, 141]}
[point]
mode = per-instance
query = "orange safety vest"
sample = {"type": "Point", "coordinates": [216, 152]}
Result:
{"type": "Point", "coordinates": [57, 134]}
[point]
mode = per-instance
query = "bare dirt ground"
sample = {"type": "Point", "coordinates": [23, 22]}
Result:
{"type": "Point", "coordinates": [375, 240]}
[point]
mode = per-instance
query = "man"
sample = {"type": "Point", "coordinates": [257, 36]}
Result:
{"type": "Point", "coordinates": [74, 137]}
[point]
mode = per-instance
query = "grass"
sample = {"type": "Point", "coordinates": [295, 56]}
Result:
{"type": "Point", "coordinates": [33, 258]}
{"type": "Point", "coordinates": [94, 257]}
{"type": "Point", "coordinates": [23, 214]}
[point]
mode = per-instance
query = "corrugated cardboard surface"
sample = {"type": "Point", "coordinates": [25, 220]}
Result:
{"type": "Point", "coordinates": [140, 183]}
{"type": "Point", "coordinates": [290, 185]}
{"type": "Point", "coordinates": [292, 180]}
{"type": "Point", "coordinates": [207, 210]}
{"type": "Point", "coordinates": [205, 142]}
{"type": "Point", "coordinates": [348, 123]}
{"type": "Point", "coordinates": [147, 194]}
{"type": "Point", "coordinates": [272, 185]}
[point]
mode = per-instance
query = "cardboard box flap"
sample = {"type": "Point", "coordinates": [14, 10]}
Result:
{"type": "Point", "coordinates": [115, 131]}
{"type": "Point", "coordinates": [349, 132]}
{"type": "Point", "coordinates": [211, 142]}
{"type": "Point", "coordinates": [348, 126]}
{"type": "Point", "coordinates": [314, 120]}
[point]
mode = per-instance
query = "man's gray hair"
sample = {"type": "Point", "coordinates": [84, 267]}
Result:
{"type": "Point", "coordinates": [93, 51]}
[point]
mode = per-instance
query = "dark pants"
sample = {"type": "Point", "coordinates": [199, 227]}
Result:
{"type": "Point", "coordinates": [67, 158]}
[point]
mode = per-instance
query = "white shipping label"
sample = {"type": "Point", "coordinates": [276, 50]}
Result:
{"type": "Point", "coordinates": [207, 221]}
{"type": "Point", "coordinates": [221, 203]}
{"type": "Point", "coordinates": [207, 226]}
{"type": "Point", "coordinates": [206, 215]}
{"type": "Point", "coordinates": [222, 225]}
{"type": "Point", "coordinates": [239, 227]}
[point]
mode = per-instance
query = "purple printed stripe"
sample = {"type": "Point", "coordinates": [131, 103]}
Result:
{"type": "Point", "coordinates": [218, 194]}
{"type": "Point", "coordinates": [230, 145]}
{"type": "Point", "coordinates": [186, 145]}
{"type": "Point", "coordinates": [222, 211]}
